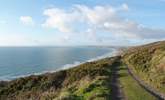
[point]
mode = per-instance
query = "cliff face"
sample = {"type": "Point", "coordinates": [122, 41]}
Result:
{"type": "Point", "coordinates": [148, 62]}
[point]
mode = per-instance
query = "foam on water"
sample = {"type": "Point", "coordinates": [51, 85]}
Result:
{"type": "Point", "coordinates": [66, 66]}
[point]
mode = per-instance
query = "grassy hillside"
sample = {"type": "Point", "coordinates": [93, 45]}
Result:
{"type": "Point", "coordinates": [93, 80]}
{"type": "Point", "coordinates": [85, 82]}
{"type": "Point", "coordinates": [148, 62]}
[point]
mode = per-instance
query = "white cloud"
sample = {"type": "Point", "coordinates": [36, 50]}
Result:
{"type": "Point", "coordinates": [104, 18]}
{"type": "Point", "coordinates": [27, 20]}
{"type": "Point", "coordinates": [60, 19]}
{"type": "Point", "coordinates": [92, 15]}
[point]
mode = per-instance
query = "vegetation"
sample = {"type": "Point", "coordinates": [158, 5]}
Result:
{"type": "Point", "coordinates": [131, 88]}
{"type": "Point", "coordinates": [92, 80]}
{"type": "Point", "coordinates": [85, 82]}
{"type": "Point", "coordinates": [148, 62]}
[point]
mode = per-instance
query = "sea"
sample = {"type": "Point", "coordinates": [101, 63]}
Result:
{"type": "Point", "coordinates": [18, 62]}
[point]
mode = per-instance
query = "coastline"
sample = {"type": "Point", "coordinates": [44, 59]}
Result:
{"type": "Point", "coordinates": [113, 52]}
{"type": "Point", "coordinates": [84, 80]}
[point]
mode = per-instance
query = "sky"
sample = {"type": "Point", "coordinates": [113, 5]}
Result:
{"type": "Point", "coordinates": [81, 22]}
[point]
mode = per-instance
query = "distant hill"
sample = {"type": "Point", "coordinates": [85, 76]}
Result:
{"type": "Point", "coordinates": [148, 62]}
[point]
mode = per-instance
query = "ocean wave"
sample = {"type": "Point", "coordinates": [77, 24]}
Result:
{"type": "Point", "coordinates": [76, 63]}
{"type": "Point", "coordinates": [113, 52]}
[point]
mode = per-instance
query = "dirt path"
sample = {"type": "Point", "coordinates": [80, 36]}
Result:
{"type": "Point", "coordinates": [116, 93]}
{"type": "Point", "coordinates": [149, 89]}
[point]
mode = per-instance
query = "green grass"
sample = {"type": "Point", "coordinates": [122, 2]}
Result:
{"type": "Point", "coordinates": [88, 81]}
{"type": "Point", "coordinates": [131, 88]}
{"type": "Point", "coordinates": [148, 63]}
{"type": "Point", "coordinates": [98, 88]}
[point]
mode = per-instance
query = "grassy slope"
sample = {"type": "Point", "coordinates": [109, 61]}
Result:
{"type": "Point", "coordinates": [84, 82]}
{"type": "Point", "coordinates": [148, 62]}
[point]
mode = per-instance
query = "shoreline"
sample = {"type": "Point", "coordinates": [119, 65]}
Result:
{"type": "Point", "coordinates": [67, 66]}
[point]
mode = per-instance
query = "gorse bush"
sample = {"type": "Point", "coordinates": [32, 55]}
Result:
{"type": "Point", "coordinates": [62, 85]}
{"type": "Point", "coordinates": [148, 62]}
